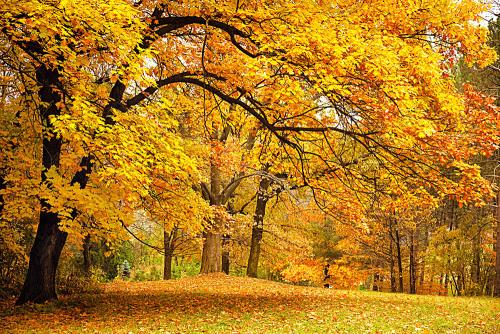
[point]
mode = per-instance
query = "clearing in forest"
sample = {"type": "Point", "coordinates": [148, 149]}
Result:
{"type": "Point", "coordinates": [224, 304]}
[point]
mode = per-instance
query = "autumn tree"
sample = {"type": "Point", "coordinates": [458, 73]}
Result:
{"type": "Point", "coordinates": [315, 75]}
{"type": "Point", "coordinates": [220, 188]}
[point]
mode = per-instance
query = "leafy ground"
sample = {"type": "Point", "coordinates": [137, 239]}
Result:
{"type": "Point", "coordinates": [222, 304]}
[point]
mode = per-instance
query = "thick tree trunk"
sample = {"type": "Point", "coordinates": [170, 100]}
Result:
{"type": "Point", "coordinates": [253, 258]}
{"type": "Point", "coordinates": [40, 283]}
{"type": "Point", "coordinates": [496, 292]}
{"type": "Point", "coordinates": [258, 227]}
{"type": "Point", "coordinates": [167, 265]}
{"type": "Point", "coordinates": [211, 258]}
{"type": "Point", "coordinates": [87, 262]}
{"type": "Point", "coordinates": [400, 263]}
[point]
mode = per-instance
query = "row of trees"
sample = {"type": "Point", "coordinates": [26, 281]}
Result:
{"type": "Point", "coordinates": [444, 246]}
{"type": "Point", "coordinates": [197, 113]}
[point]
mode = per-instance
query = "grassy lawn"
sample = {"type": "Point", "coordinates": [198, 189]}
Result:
{"type": "Point", "coordinates": [222, 304]}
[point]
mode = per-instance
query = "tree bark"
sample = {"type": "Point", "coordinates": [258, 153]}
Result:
{"type": "Point", "coordinates": [226, 260]}
{"type": "Point", "coordinates": [400, 262]}
{"type": "Point", "coordinates": [422, 262]}
{"type": "Point", "coordinates": [391, 258]}
{"type": "Point", "coordinates": [456, 284]}
{"type": "Point", "coordinates": [40, 283]}
{"type": "Point", "coordinates": [211, 258]}
{"type": "Point", "coordinates": [258, 227]}
{"type": "Point", "coordinates": [87, 261]}
{"type": "Point", "coordinates": [253, 258]}
{"type": "Point", "coordinates": [413, 275]}
{"type": "Point", "coordinates": [167, 265]}
{"type": "Point", "coordinates": [3, 185]}
{"type": "Point", "coordinates": [168, 249]}
{"type": "Point", "coordinates": [376, 280]}
{"type": "Point", "coordinates": [476, 262]}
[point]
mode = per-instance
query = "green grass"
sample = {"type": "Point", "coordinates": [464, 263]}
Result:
{"type": "Point", "coordinates": [221, 304]}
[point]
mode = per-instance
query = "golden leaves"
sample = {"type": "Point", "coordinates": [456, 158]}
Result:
{"type": "Point", "coordinates": [224, 304]}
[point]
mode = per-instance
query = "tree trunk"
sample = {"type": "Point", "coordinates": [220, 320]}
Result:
{"type": "Point", "coordinates": [497, 246]}
{"type": "Point", "coordinates": [258, 227]}
{"type": "Point", "coordinates": [40, 283]}
{"type": "Point", "coordinates": [167, 265]}
{"type": "Point", "coordinates": [376, 280]}
{"type": "Point", "coordinates": [253, 258]}
{"type": "Point", "coordinates": [400, 262]}
{"type": "Point", "coordinates": [3, 185]}
{"type": "Point", "coordinates": [456, 284]}
{"type": "Point", "coordinates": [168, 249]}
{"type": "Point", "coordinates": [211, 258]}
{"type": "Point", "coordinates": [391, 257]}
{"type": "Point", "coordinates": [87, 262]}
{"type": "Point", "coordinates": [422, 273]}
{"type": "Point", "coordinates": [225, 262]}
{"type": "Point", "coordinates": [413, 276]}
{"type": "Point", "coordinates": [391, 267]}
{"type": "Point", "coordinates": [422, 262]}
{"type": "Point", "coordinates": [476, 262]}
{"type": "Point", "coordinates": [225, 254]}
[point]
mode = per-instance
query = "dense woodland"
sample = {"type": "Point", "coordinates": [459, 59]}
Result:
{"type": "Point", "coordinates": [351, 144]}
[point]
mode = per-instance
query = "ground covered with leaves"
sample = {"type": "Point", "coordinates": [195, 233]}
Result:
{"type": "Point", "coordinates": [223, 304]}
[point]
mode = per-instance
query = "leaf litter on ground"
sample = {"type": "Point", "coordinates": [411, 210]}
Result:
{"type": "Point", "coordinates": [225, 304]}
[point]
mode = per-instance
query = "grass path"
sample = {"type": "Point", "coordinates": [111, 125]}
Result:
{"type": "Point", "coordinates": [222, 304]}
